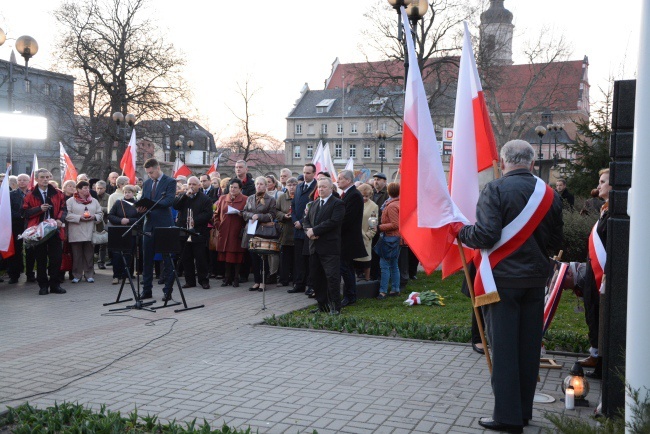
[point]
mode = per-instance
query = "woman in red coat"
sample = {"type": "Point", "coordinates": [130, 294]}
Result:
{"type": "Point", "coordinates": [230, 228]}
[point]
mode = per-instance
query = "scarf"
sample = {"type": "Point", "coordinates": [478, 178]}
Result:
{"type": "Point", "coordinates": [259, 198]}
{"type": "Point", "coordinates": [81, 200]}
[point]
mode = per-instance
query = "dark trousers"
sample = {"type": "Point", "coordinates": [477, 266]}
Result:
{"type": "Point", "coordinates": [514, 327]}
{"type": "Point", "coordinates": [349, 280]}
{"type": "Point", "coordinates": [476, 334]}
{"type": "Point", "coordinates": [301, 264]}
{"type": "Point", "coordinates": [375, 268]}
{"type": "Point", "coordinates": [119, 271]}
{"type": "Point", "coordinates": [413, 263]}
{"type": "Point", "coordinates": [591, 297]}
{"type": "Point", "coordinates": [325, 271]}
{"type": "Point", "coordinates": [403, 265]}
{"type": "Point", "coordinates": [147, 265]}
{"type": "Point", "coordinates": [48, 262]}
{"type": "Point", "coordinates": [259, 264]}
{"type": "Point", "coordinates": [286, 264]}
{"type": "Point", "coordinates": [195, 252]}
{"type": "Point", "coordinates": [15, 263]}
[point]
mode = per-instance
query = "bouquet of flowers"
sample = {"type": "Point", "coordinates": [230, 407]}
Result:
{"type": "Point", "coordinates": [428, 298]}
{"type": "Point", "coordinates": [40, 233]}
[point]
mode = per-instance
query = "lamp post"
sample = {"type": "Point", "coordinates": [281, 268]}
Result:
{"type": "Point", "coordinates": [415, 9]}
{"type": "Point", "coordinates": [27, 47]}
{"type": "Point", "coordinates": [123, 126]}
{"type": "Point", "coordinates": [179, 145]}
{"type": "Point", "coordinates": [381, 136]}
{"type": "Point", "coordinates": [540, 131]}
{"type": "Point", "coordinates": [555, 128]}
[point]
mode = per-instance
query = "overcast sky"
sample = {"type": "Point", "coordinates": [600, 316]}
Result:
{"type": "Point", "coordinates": [280, 50]}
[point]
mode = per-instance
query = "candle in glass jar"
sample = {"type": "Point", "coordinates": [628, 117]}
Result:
{"type": "Point", "coordinates": [569, 398]}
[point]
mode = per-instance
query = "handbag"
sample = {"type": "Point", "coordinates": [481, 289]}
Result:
{"type": "Point", "coordinates": [387, 247]}
{"type": "Point", "coordinates": [269, 230]}
{"type": "Point", "coordinates": [212, 242]}
{"type": "Point", "coordinates": [100, 237]}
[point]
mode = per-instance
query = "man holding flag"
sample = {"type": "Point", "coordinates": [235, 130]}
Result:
{"type": "Point", "coordinates": [518, 221]}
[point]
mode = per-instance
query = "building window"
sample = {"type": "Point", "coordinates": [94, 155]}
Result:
{"type": "Point", "coordinates": [296, 151]}
{"type": "Point", "coordinates": [339, 128]}
{"type": "Point", "coordinates": [310, 129]}
{"type": "Point", "coordinates": [205, 158]}
{"type": "Point", "coordinates": [319, 109]}
{"type": "Point", "coordinates": [310, 151]}
{"type": "Point", "coordinates": [28, 86]}
{"type": "Point", "coordinates": [366, 151]}
{"type": "Point", "coordinates": [353, 128]}
{"type": "Point", "coordinates": [47, 89]}
{"type": "Point", "coordinates": [167, 156]}
{"type": "Point", "coordinates": [382, 127]}
{"type": "Point", "coordinates": [99, 155]}
{"type": "Point", "coordinates": [323, 128]}
{"type": "Point", "coordinates": [338, 150]}
{"type": "Point", "coordinates": [60, 91]}
{"type": "Point", "coordinates": [398, 151]}
{"type": "Point", "coordinates": [298, 128]}
{"type": "Point", "coordinates": [400, 127]}
{"type": "Point", "coordinates": [353, 151]}
{"type": "Point", "coordinates": [368, 127]}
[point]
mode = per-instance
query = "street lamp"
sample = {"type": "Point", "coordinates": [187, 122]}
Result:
{"type": "Point", "coordinates": [123, 125]}
{"type": "Point", "coordinates": [179, 145]}
{"type": "Point", "coordinates": [555, 128]}
{"type": "Point", "coordinates": [415, 9]}
{"type": "Point", "coordinates": [540, 131]}
{"type": "Point", "coordinates": [381, 136]}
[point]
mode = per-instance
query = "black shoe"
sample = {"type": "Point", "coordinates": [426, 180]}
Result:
{"type": "Point", "coordinates": [488, 423]}
{"type": "Point", "coordinates": [146, 295]}
{"type": "Point", "coordinates": [57, 290]}
{"type": "Point", "coordinates": [596, 374]}
{"type": "Point", "coordinates": [413, 277]}
{"type": "Point", "coordinates": [187, 285]}
{"type": "Point", "coordinates": [109, 263]}
{"type": "Point", "coordinates": [309, 291]}
{"type": "Point", "coordinates": [347, 302]}
{"type": "Point", "coordinates": [13, 280]}
{"type": "Point", "coordinates": [322, 308]}
{"type": "Point", "coordinates": [167, 297]}
{"type": "Point", "coordinates": [43, 291]}
{"type": "Point", "coordinates": [477, 349]}
{"type": "Point", "coordinates": [224, 284]}
{"type": "Point", "coordinates": [312, 295]}
{"type": "Point", "coordinates": [31, 279]}
{"type": "Point", "coordinates": [254, 288]}
{"type": "Point", "coordinates": [295, 290]}
{"type": "Point", "coordinates": [235, 283]}
{"type": "Point", "coordinates": [101, 266]}
{"type": "Point", "coordinates": [205, 285]}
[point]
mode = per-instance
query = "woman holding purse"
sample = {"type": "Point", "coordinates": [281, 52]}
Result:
{"type": "Point", "coordinates": [84, 212]}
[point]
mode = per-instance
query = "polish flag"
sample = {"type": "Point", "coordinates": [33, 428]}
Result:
{"type": "Point", "coordinates": [180, 169]}
{"type": "Point", "coordinates": [127, 164]}
{"type": "Point", "coordinates": [429, 219]}
{"type": "Point", "coordinates": [6, 237]}
{"type": "Point", "coordinates": [329, 164]}
{"type": "Point", "coordinates": [318, 158]}
{"type": "Point", "coordinates": [68, 171]}
{"type": "Point", "coordinates": [473, 149]}
{"type": "Point", "coordinates": [215, 166]}
{"type": "Point", "coordinates": [32, 177]}
{"type": "Point", "coordinates": [350, 165]}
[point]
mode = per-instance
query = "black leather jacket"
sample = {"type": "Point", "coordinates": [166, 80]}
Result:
{"type": "Point", "coordinates": [499, 203]}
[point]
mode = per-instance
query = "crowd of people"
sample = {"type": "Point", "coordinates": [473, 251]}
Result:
{"type": "Point", "coordinates": [326, 230]}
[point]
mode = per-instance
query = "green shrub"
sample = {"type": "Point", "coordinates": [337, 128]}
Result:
{"type": "Point", "coordinates": [576, 235]}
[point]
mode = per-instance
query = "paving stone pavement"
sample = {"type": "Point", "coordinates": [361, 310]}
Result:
{"type": "Point", "coordinates": [219, 364]}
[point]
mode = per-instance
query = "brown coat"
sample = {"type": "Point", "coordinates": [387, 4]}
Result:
{"type": "Point", "coordinates": [265, 212]}
{"type": "Point", "coordinates": [229, 225]}
{"type": "Point", "coordinates": [282, 208]}
{"type": "Point", "coordinates": [390, 219]}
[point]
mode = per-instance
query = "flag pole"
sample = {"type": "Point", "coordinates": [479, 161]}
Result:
{"type": "Point", "coordinates": [495, 169]}
{"type": "Point", "coordinates": [470, 285]}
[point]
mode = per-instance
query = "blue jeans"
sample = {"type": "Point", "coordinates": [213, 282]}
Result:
{"type": "Point", "coordinates": [389, 271]}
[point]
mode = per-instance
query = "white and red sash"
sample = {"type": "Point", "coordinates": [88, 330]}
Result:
{"type": "Point", "coordinates": [513, 236]}
{"type": "Point", "coordinates": [597, 255]}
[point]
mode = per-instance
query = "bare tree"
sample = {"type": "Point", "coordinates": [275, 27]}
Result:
{"type": "Point", "coordinates": [248, 144]}
{"type": "Point", "coordinates": [122, 63]}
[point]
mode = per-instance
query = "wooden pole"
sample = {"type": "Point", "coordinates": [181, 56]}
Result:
{"type": "Point", "coordinates": [495, 169]}
{"type": "Point", "coordinates": [470, 285]}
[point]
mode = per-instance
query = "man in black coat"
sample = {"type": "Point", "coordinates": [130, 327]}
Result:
{"type": "Point", "coordinates": [567, 198]}
{"type": "Point", "coordinates": [200, 205]}
{"type": "Point", "coordinates": [514, 324]}
{"type": "Point", "coordinates": [211, 192]}
{"type": "Point", "coordinates": [352, 245]}
{"type": "Point", "coordinates": [298, 205]}
{"type": "Point", "coordinates": [15, 263]}
{"type": "Point", "coordinates": [322, 226]}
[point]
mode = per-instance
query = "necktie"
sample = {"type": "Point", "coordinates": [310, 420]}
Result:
{"type": "Point", "coordinates": [342, 195]}
{"type": "Point", "coordinates": [153, 189]}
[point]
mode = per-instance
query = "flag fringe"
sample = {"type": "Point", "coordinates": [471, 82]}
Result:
{"type": "Point", "coordinates": [489, 298]}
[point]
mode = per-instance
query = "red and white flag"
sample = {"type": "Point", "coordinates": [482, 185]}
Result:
{"type": "Point", "coordinates": [32, 176]}
{"type": "Point", "coordinates": [180, 169]}
{"type": "Point", "coordinates": [215, 166]}
{"type": "Point", "coordinates": [127, 164]}
{"type": "Point", "coordinates": [350, 165]}
{"type": "Point", "coordinates": [329, 164]}
{"type": "Point", "coordinates": [318, 157]}
{"type": "Point", "coordinates": [473, 148]}
{"type": "Point", "coordinates": [597, 256]}
{"type": "Point", "coordinates": [68, 171]}
{"type": "Point", "coordinates": [429, 219]}
{"type": "Point", "coordinates": [6, 237]}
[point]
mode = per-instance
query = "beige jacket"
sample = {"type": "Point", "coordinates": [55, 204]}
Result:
{"type": "Point", "coordinates": [78, 230]}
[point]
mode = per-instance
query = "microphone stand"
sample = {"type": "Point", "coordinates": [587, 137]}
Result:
{"type": "Point", "coordinates": [139, 304]}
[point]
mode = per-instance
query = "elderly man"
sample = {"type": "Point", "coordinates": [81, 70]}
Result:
{"type": "Point", "coordinates": [285, 174]}
{"type": "Point", "coordinates": [322, 226]}
{"type": "Point", "coordinates": [352, 246]}
{"type": "Point", "coordinates": [112, 183]}
{"type": "Point", "coordinates": [46, 202]}
{"type": "Point", "coordinates": [194, 212]}
{"type": "Point", "coordinates": [522, 209]}
{"type": "Point", "coordinates": [15, 263]}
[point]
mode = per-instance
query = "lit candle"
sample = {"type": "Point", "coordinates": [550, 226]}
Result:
{"type": "Point", "coordinates": [578, 386]}
{"type": "Point", "coordinates": [569, 399]}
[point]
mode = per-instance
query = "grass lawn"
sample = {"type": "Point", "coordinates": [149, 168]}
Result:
{"type": "Point", "coordinates": [391, 317]}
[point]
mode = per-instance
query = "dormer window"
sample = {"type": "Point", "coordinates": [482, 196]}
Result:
{"type": "Point", "coordinates": [377, 104]}
{"type": "Point", "coordinates": [325, 105]}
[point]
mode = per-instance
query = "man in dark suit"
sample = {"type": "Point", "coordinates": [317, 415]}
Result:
{"type": "Point", "coordinates": [15, 263]}
{"type": "Point", "coordinates": [157, 186]}
{"type": "Point", "coordinates": [211, 192]}
{"type": "Point", "coordinates": [322, 226]}
{"type": "Point", "coordinates": [514, 323]}
{"type": "Point", "coordinates": [352, 245]}
{"type": "Point", "coordinates": [298, 205]}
